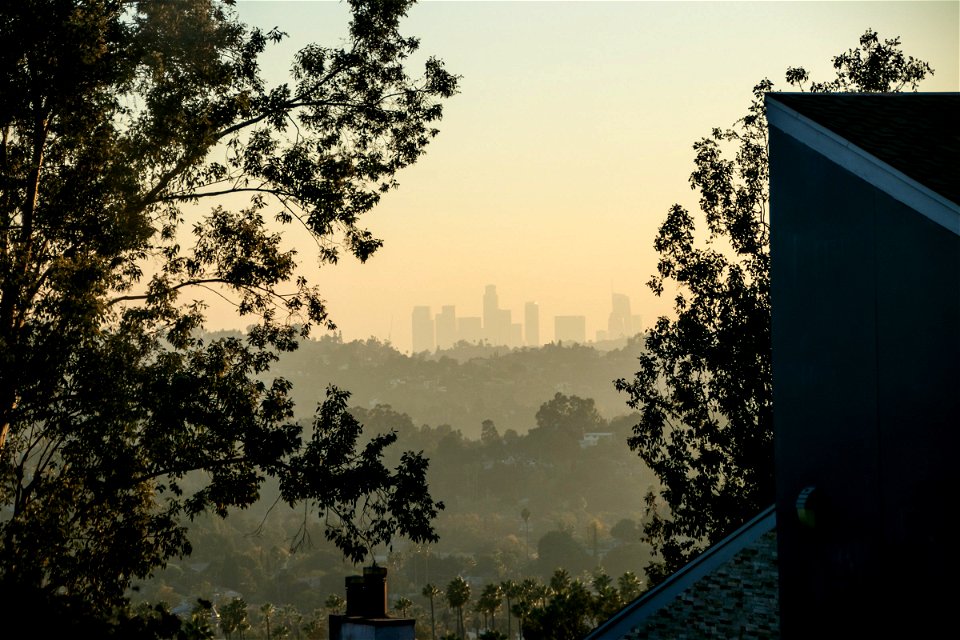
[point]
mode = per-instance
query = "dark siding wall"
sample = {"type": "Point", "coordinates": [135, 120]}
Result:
{"type": "Point", "coordinates": [866, 354]}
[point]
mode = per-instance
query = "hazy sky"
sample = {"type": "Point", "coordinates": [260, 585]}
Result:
{"type": "Point", "coordinates": [570, 139]}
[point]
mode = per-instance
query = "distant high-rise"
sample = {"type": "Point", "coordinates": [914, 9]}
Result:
{"type": "Point", "coordinates": [620, 322]}
{"type": "Point", "coordinates": [490, 308]}
{"type": "Point", "coordinates": [446, 327]}
{"type": "Point", "coordinates": [496, 321]}
{"type": "Point", "coordinates": [570, 329]}
{"type": "Point", "coordinates": [422, 329]}
{"type": "Point", "coordinates": [531, 320]}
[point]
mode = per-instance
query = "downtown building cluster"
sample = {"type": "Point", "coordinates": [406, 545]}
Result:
{"type": "Point", "coordinates": [496, 327]}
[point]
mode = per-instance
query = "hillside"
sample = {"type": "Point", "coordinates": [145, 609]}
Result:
{"type": "Point", "coordinates": [460, 387]}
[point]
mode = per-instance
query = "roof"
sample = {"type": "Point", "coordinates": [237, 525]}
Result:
{"type": "Point", "coordinates": [729, 590]}
{"type": "Point", "coordinates": [905, 144]}
{"type": "Point", "coordinates": [916, 133]}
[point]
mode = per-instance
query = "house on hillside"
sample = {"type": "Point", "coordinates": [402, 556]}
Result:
{"type": "Point", "coordinates": [865, 277]}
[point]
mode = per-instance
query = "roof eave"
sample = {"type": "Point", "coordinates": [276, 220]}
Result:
{"type": "Point", "coordinates": [864, 165]}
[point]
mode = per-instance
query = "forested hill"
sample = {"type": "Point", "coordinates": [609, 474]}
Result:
{"type": "Point", "coordinates": [460, 387]}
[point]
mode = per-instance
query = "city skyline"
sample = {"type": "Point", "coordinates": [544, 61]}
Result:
{"type": "Point", "coordinates": [442, 330]}
{"type": "Point", "coordinates": [569, 141]}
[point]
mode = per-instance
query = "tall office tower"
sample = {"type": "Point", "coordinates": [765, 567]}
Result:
{"type": "Point", "coordinates": [636, 324]}
{"type": "Point", "coordinates": [470, 329]}
{"type": "Point", "coordinates": [570, 329]}
{"type": "Point", "coordinates": [422, 329]}
{"type": "Point", "coordinates": [490, 313]}
{"type": "Point", "coordinates": [504, 322]}
{"type": "Point", "coordinates": [619, 324]}
{"type": "Point", "coordinates": [446, 327]}
{"type": "Point", "coordinates": [531, 321]}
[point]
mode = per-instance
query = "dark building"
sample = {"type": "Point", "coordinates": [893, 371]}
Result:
{"type": "Point", "coordinates": [865, 288]}
{"type": "Point", "coordinates": [865, 277]}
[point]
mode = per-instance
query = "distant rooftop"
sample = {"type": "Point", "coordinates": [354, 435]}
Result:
{"type": "Point", "coordinates": [916, 133]}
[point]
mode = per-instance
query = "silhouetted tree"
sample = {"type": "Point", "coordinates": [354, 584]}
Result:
{"type": "Point", "coordinates": [703, 388]}
{"type": "Point", "coordinates": [403, 604]}
{"type": "Point", "coordinates": [607, 599]}
{"type": "Point", "coordinates": [234, 618]}
{"type": "Point", "coordinates": [625, 530]}
{"type": "Point", "coordinates": [267, 611]}
{"type": "Point", "coordinates": [558, 549]}
{"type": "Point", "coordinates": [458, 594]}
{"type": "Point", "coordinates": [511, 591]}
{"type": "Point", "coordinates": [430, 592]}
{"type": "Point", "coordinates": [630, 586]}
{"type": "Point", "coordinates": [489, 435]}
{"type": "Point", "coordinates": [570, 415]}
{"type": "Point", "coordinates": [490, 601]}
{"type": "Point", "coordinates": [567, 613]}
{"type": "Point", "coordinates": [118, 120]}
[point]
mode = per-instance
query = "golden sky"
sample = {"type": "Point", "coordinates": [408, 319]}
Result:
{"type": "Point", "coordinates": [570, 139]}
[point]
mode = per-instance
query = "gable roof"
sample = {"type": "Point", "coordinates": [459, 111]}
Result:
{"type": "Point", "coordinates": [906, 144]}
{"type": "Point", "coordinates": [711, 592]}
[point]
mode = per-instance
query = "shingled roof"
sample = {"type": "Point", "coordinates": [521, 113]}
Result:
{"type": "Point", "coordinates": [728, 591]}
{"type": "Point", "coordinates": [916, 133]}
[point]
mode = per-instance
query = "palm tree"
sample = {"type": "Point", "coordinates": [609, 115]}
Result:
{"type": "Point", "coordinates": [458, 594]}
{"type": "Point", "coordinates": [532, 594]}
{"type": "Point", "coordinates": [511, 591]}
{"type": "Point", "coordinates": [292, 620]}
{"type": "Point", "coordinates": [431, 592]}
{"type": "Point", "coordinates": [266, 610]}
{"type": "Point", "coordinates": [490, 600]}
{"type": "Point", "coordinates": [233, 618]}
{"type": "Point", "coordinates": [402, 604]}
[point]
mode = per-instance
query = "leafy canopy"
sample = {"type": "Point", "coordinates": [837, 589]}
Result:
{"type": "Point", "coordinates": [703, 386]}
{"type": "Point", "coordinates": [123, 124]}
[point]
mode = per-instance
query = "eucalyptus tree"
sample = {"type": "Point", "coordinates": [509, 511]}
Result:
{"type": "Point", "coordinates": [703, 388]}
{"type": "Point", "coordinates": [144, 160]}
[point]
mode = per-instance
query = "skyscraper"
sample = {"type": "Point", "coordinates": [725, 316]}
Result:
{"type": "Point", "coordinates": [491, 307]}
{"type": "Point", "coordinates": [422, 329]}
{"type": "Point", "coordinates": [446, 327]}
{"type": "Point", "coordinates": [620, 322]}
{"type": "Point", "coordinates": [531, 320]}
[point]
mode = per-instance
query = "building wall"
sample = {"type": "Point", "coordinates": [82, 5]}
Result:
{"type": "Point", "coordinates": [422, 329]}
{"type": "Point", "coordinates": [866, 364]}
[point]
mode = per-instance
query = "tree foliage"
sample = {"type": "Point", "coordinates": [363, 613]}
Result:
{"type": "Point", "coordinates": [458, 595]}
{"type": "Point", "coordinates": [703, 387]}
{"type": "Point", "coordinates": [123, 124]}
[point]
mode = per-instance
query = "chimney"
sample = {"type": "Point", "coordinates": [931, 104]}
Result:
{"type": "Point", "coordinates": [366, 616]}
